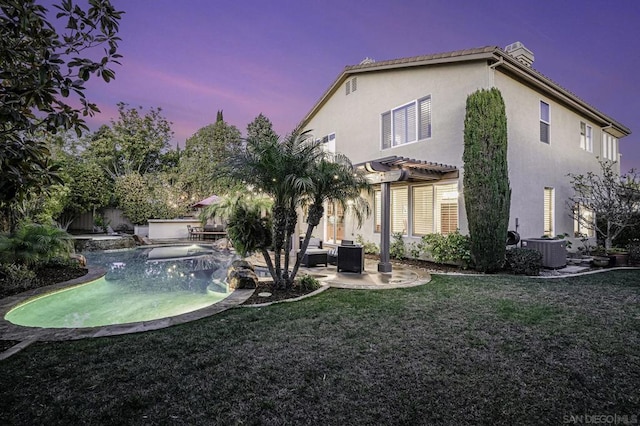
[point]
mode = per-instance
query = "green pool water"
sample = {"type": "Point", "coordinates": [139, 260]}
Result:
{"type": "Point", "coordinates": [140, 285]}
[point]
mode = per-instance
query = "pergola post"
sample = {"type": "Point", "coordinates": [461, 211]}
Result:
{"type": "Point", "coordinates": [385, 227]}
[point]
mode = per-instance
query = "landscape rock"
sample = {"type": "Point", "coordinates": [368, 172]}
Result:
{"type": "Point", "coordinates": [241, 275]}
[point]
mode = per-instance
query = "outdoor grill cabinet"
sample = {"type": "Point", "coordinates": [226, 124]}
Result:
{"type": "Point", "coordinates": [554, 252]}
{"type": "Point", "coordinates": [350, 258]}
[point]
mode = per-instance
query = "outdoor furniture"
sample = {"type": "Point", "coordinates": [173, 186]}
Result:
{"type": "Point", "coordinates": [332, 256]}
{"type": "Point", "coordinates": [315, 254]}
{"type": "Point", "coordinates": [213, 232]}
{"type": "Point", "coordinates": [195, 233]}
{"type": "Point", "coordinates": [350, 258]}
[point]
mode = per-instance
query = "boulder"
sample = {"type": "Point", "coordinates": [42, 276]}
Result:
{"type": "Point", "coordinates": [241, 275]}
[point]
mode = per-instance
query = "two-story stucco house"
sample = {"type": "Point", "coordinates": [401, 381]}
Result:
{"type": "Point", "coordinates": [403, 121]}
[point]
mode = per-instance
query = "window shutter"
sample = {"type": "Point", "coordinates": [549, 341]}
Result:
{"type": "Point", "coordinates": [548, 212]}
{"type": "Point", "coordinates": [399, 126]}
{"type": "Point", "coordinates": [424, 118]}
{"type": "Point", "coordinates": [583, 135]}
{"type": "Point", "coordinates": [347, 87]}
{"type": "Point", "coordinates": [447, 208]}
{"type": "Point", "coordinates": [399, 210]}
{"type": "Point", "coordinates": [354, 84]}
{"type": "Point", "coordinates": [411, 122]}
{"type": "Point", "coordinates": [377, 199]}
{"type": "Point", "coordinates": [386, 130]}
{"type": "Point", "coordinates": [422, 198]}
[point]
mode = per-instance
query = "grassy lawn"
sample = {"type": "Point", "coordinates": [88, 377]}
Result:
{"type": "Point", "coordinates": [460, 350]}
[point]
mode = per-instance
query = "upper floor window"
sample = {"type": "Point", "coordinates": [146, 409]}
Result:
{"type": "Point", "coordinates": [328, 142]}
{"type": "Point", "coordinates": [407, 123]}
{"type": "Point", "coordinates": [609, 147]}
{"type": "Point", "coordinates": [545, 122]}
{"type": "Point", "coordinates": [586, 137]}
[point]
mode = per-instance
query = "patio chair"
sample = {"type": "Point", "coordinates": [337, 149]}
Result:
{"type": "Point", "coordinates": [315, 254]}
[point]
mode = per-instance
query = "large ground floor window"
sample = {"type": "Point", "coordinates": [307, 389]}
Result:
{"type": "Point", "coordinates": [583, 226]}
{"type": "Point", "coordinates": [421, 209]}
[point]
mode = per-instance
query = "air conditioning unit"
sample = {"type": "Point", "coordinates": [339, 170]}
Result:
{"type": "Point", "coordinates": [554, 252]}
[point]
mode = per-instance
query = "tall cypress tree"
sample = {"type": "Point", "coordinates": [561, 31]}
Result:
{"type": "Point", "coordinates": [486, 178]}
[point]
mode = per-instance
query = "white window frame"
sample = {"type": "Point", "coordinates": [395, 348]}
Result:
{"type": "Point", "coordinates": [546, 122]}
{"type": "Point", "coordinates": [436, 204]}
{"type": "Point", "coordinates": [586, 137]}
{"type": "Point", "coordinates": [414, 133]}
{"type": "Point", "coordinates": [609, 147]}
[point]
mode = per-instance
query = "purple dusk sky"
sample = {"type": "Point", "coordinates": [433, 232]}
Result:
{"type": "Point", "coordinates": [277, 57]}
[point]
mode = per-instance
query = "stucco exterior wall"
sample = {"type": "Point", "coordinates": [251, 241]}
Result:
{"type": "Point", "coordinates": [534, 165]}
{"type": "Point", "coordinates": [355, 118]}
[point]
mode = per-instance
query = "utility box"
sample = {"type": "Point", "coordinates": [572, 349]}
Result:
{"type": "Point", "coordinates": [554, 252]}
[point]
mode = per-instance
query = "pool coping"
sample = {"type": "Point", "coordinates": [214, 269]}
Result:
{"type": "Point", "coordinates": [10, 331]}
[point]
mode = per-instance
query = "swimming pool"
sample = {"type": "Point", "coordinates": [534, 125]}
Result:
{"type": "Point", "coordinates": [140, 285]}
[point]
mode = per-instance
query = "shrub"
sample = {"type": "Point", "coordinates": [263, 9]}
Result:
{"type": "Point", "coordinates": [486, 178]}
{"type": "Point", "coordinates": [308, 283]}
{"type": "Point", "coordinates": [524, 261]}
{"type": "Point", "coordinates": [34, 244]}
{"type": "Point", "coordinates": [397, 249]}
{"type": "Point", "coordinates": [634, 252]}
{"type": "Point", "coordinates": [15, 278]}
{"type": "Point", "coordinates": [451, 248]}
{"type": "Point", "coordinates": [415, 249]}
{"type": "Point", "coordinates": [368, 246]}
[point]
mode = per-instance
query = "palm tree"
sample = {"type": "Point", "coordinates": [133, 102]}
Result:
{"type": "Point", "coordinates": [34, 245]}
{"type": "Point", "coordinates": [248, 229]}
{"type": "Point", "coordinates": [280, 170]}
{"type": "Point", "coordinates": [333, 179]}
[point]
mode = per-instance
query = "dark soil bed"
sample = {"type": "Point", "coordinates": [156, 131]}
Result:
{"type": "Point", "coordinates": [44, 277]}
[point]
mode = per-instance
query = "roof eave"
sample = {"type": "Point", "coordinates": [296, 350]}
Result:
{"type": "Point", "coordinates": [615, 128]}
{"type": "Point", "coordinates": [390, 65]}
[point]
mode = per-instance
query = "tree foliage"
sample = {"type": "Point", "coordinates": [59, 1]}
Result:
{"type": "Point", "coordinates": [134, 143]}
{"type": "Point", "coordinates": [486, 178]}
{"type": "Point", "coordinates": [293, 172]}
{"type": "Point", "coordinates": [42, 78]}
{"type": "Point", "coordinates": [611, 199]}
{"type": "Point", "coordinates": [205, 157]}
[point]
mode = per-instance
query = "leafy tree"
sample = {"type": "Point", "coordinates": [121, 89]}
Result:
{"type": "Point", "coordinates": [134, 198]}
{"type": "Point", "coordinates": [612, 199]}
{"type": "Point", "coordinates": [205, 157]}
{"type": "Point", "coordinates": [486, 178]}
{"type": "Point", "coordinates": [261, 127]}
{"type": "Point", "coordinates": [42, 78]}
{"type": "Point", "coordinates": [146, 197]}
{"type": "Point", "coordinates": [133, 143]}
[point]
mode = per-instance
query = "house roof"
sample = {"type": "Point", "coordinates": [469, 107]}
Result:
{"type": "Point", "coordinates": [497, 58]}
